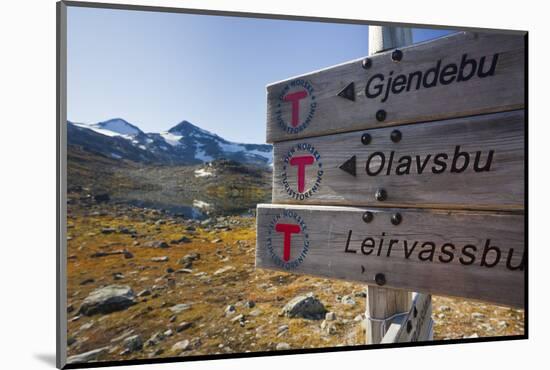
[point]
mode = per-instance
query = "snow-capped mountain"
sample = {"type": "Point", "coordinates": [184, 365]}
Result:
{"type": "Point", "coordinates": [184, 143]}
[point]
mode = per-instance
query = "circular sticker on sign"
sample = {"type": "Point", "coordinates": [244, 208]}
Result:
{"type": "Point", "coordinates": [287, 240]}
{"type": "Point", "coordinates": [302, 171]}
{"type": "Point", "coordinates": [296, 106]}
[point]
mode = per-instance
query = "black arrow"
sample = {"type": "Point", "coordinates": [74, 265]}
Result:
{"type": "Point", "coordinates": [348, 92]}
{"type": "Point", "coordinates": [349, 166]}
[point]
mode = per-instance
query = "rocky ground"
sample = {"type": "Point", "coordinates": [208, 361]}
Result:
{"type": "Point", "coordinates": [144, 284]}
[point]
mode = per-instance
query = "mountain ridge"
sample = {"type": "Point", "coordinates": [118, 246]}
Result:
{"type": "Point", "coordinates": [183, 144]}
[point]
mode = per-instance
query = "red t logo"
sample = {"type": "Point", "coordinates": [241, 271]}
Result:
{"type": "Point", "coordinates": [288, 229]}
{"type": "Point", "coordinates": [302, 162]}
{"type": "Point", "coordinates": [295, 99]}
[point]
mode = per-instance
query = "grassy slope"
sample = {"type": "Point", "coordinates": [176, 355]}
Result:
{"type": "Point", "coordinates": [210, 294]}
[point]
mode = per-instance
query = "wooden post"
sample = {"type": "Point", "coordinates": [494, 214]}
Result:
{"type": "Point", "coordinates": [384, 304]}
{"type": "Point", "coordinates": [383, 38]}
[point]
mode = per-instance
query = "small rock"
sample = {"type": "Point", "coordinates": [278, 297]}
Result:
{"type": "Point", "coordinates": [118, 276]}
{"type": "Point", "coordinates": [183, 271]}
{"type": "Point", "coordinates": [215, 241]}
{"type": "Point", "coordinates": [87, 356]}
{"type": "Point", "coordinates": [238, 318]}
{"type": "Point", "coordinates": [155, 339]}
{"type": "Point", "coordinates": [108, 299]}
{"type": "Point", "coordinates": [160, 259]}
{"type": "Point", "coordinates": [230, 310]}
{"type": "Point", "coordinates": [122, 336]}
{"type": "Point", "coordinates": [444, 308]}
{"type": "Point", "coordinates": [330, 316]}
{"type": "Point", "coordinates": [282, 346]}
{"type": "Point", "coordinates": [156, 244]}
{"type": "Point", "coordinates": [477, 315]}
{"type": "Point", "coordinates": [360, 294]}
{"type": "Point", "coordinates": [133, 343]}
{"type": "Point", "coordinates": [471, 336]}
{"type": "Point", "coordinates": [183, 326]}
{"type": "Point", "coordinates": [87, 281]}
{"type": "Point", "coordinates": [181, 240]}
{"type": "Point", "coordinates": [223, 270]}
{"type": "Point", "coordinates": [144, 293]}
{"type": "Point", "coordinates": [347, 300]}
{"type": "Point", "coordinates": [108, 230]}
{"type": "Point", "coordinates": [168, 333]}
{"type": "Point", "coordinates": [183, 345]}
{"type": "Point", "coordinates": [86, 326]}
{"type": "Point", "coordinates": [306, 306]}
{"type": "Point", "coordinates": [180, 308]}
{"type": "Point", "coordinates": [358, 318]}
{"type": "Point", "coordinates": [283, 329]}
{"type": "Point", "coordinates": [249, 304]}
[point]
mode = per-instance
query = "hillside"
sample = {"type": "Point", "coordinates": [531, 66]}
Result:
{"type": "Point", "coordinates": [220, 187]}
{"type": "Point", "coordinates": [192, 289]}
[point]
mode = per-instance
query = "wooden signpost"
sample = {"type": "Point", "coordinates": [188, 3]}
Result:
{"type": "Point", "coordinates": [458, 75]}
{"type": "Point", "coordinates": [404, 171]}
{"type": "Point", "coordinates": [471, 163]}
{"type": "Point", "coordinates": [477, 255]}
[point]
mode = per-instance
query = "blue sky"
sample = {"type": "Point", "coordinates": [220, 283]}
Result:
{"type": "Point", "coordinates": [157, 69]}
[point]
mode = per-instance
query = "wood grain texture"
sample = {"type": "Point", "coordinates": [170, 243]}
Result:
{"type": "Point", "coordinates": [329, 113]}
{"type": "Point", "coordinates": [320, 249]}
{"type": "Point", "coordinates": [500, 187]}
{"type": "Point", "coordinates": [382, 304]}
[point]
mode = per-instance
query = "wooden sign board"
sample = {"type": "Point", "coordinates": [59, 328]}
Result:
{"type": "Point", "coordinates": [477, 255]}
{"type": "Point", "coordinates": [416, 326]}
{"type": "Point", "coordinates": [470, 163]}
{"type": "Point", "coordinates": [458, 75]}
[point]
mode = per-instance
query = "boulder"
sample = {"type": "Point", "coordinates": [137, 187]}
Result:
{"type": "Point", "coordinates": [282, 346]}
{"type": "Point", "coordinates": [306, 306]}
{"type": "Point", "coordinates": [87, 356]}
{"type": "Point", "coordinates": [133, 343]}
{"type": "Point", "coordinates": [184, 345]}
{"type": "Point", "coordinates": [108, 299]}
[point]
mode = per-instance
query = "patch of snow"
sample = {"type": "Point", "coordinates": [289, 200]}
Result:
{"type": "Point", "coordinates": [116, 156]}
{"type": "Point", "coordinates": [103, 131]}
{"type": "Point", "coordinates": [200, 204]}
{"type": "Point", "coordinates": [171, 139]}
{"type": "Point", "coordinates": [266, 155]}
{"type": "Point", "coordinates": [203, 173]}
{"type": "Point", "coordinates": [118, 126]}
{"type": "Point", "coordinates": [201, 155]}
{"type": "Point", "coordinates": [142, 147]}
{"type": "Point", "coordinates": [231, 147]}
